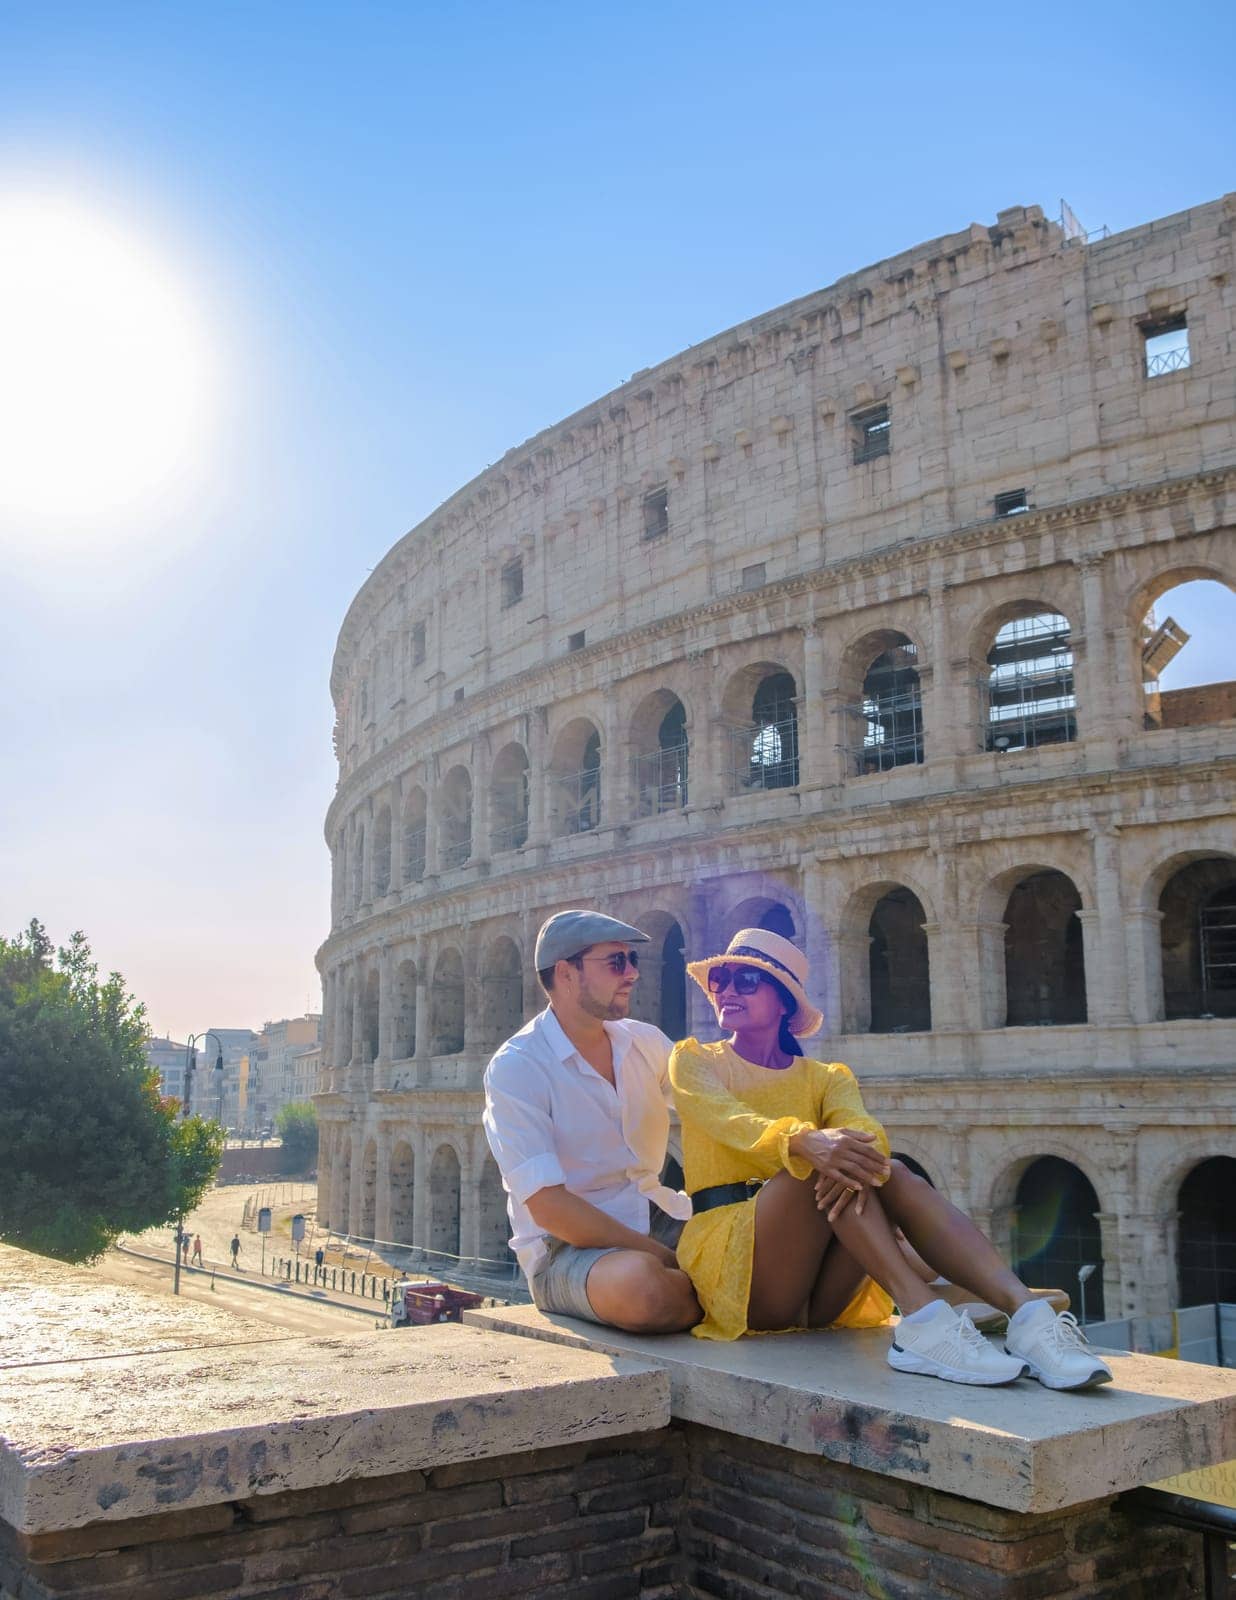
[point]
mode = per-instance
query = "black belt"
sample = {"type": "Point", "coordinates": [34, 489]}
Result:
{"type": "Point", "coordinates": [725, 1194]}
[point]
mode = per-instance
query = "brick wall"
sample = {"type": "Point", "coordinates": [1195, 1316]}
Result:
{"type": "Point", "coordinates": [760, 1522]}
{"type": "Point", "coordinates": [1199, 706]}
{"type": "Point", "coordinates": [593, 1522]}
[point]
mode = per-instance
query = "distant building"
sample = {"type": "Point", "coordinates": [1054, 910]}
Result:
{"type": "Point", "coordinates": [277, 1074]}
{"type": "Point", "coordinates": [168, 1056]}
{"type": "Point", "coordinates": [235, 1044]}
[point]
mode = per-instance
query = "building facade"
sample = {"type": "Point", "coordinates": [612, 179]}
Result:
{"type": "Point", "coordinates": [283, 1066]}
{"type": "Point", "coordinates": [836, 623]}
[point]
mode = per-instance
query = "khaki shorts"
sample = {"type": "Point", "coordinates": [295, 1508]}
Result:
{"type": "Point", "coordinates": [560, 1283]}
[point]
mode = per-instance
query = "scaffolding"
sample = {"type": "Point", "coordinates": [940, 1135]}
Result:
{"type": "Point", "coordinates": [660, 780]}
{"type": "Point", "coordinates": [456, 838]}
{"type": "Point", "coordinates": [576, 800]}
{"type": "Point", "coordinates": [1218, 956]}
{"type": "Point", "coordinates": [509, 803]}
{"type": "Point", "coordinates": [764, 755]}
{"type": "Point", "coordinates": [886, 729]}
{"type": "Point", "coordinates": [414, 840]}
{"type": "Point", "coordinates": [1028, 694]}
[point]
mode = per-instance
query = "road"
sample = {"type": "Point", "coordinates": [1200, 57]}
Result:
{"type": "Point", "coordinates": [232, 1292]}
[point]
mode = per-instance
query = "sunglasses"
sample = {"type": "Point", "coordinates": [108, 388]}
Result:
{"type": "Point", "coordinates": [743, 980]}
{"type": "Point", "coordinates": [617, 963]}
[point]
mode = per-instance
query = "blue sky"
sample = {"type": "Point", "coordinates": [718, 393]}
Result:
{"type": "Point", "coordinates": [415, 236]}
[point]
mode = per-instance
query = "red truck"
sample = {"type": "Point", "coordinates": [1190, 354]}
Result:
{"type": "Point", "coordinates": [420, 1302]}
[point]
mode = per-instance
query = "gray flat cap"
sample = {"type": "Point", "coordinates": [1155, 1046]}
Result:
{"type": "Point", "coordinates": [566, 933]}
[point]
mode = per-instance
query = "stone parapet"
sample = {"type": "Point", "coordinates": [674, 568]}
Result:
{"type": "Point", "coordinates": [1020, 1448]}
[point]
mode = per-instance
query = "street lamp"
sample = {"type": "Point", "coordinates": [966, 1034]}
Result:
{"type": "Point", "coordinates": [1082, 1274]}
{"type": "Point", "coordinates": [190, 1069]}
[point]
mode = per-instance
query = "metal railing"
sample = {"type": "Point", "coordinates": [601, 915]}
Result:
{"type": "Point", "coordinates": [764, 755]}
{"type": "Point", "coordinates": [1214, 1522]}
{"type": "Point", "coordinates": [1167, 361]}
{"type": "Point", "coordinates": [414, 840]}
{"type": "Point", "coordinates": [456, 852]}
{"type": "Point", "coordinates": [660, 779]}
{"type": "Point", "coordinates": [576, 800]}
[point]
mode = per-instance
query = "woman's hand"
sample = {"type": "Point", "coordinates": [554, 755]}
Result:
{"type": "Point", "coordinates": [833, 1197]}
{"type": "Point", "coordinates": [842, 1155]}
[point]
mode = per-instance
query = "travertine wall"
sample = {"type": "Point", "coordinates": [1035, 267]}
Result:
{"type": "Point", "coordinates": [1007, 359]}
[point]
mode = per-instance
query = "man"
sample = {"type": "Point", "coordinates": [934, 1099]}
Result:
{"type": "Point", "coordinates": [197, 1249]}
{"type": "Point", "coordinates": [236, 1250]}
{"type": "Point", "coordinates": [577, 1115]}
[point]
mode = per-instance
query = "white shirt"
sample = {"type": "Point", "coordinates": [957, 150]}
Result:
{"type": "Point", "coordinates": [552, 1119]}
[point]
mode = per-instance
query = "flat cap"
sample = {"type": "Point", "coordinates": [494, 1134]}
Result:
{"type": "Point", "coordinates": [566, 933]}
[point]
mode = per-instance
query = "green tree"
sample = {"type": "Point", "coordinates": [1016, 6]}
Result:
{"type": "Point", "coordinates": [88, 1148]}
{"type": "Point", "coordinates": [297, 1123]}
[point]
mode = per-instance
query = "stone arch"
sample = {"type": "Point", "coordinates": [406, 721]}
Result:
{"type": "Point", "coordinates": [760, 704]}
{"type": "Point", "coordinates": [1197, 938]}
{"type": "Point", "coordinates": [415, 834]}
{"type": "Point", "coordinates": [444, 1180]}
{"type": "Point", "coordinates": [1025, 662]}
{"type": "Point", "coordinates": [575, 779]}
{"type": "Point", "coordinates": [1040, 950]}
{"type": "Point", "coordinates": [502, 990]}
{"type": "Point", "coordinates": [493, 1226]}
{"type": "Point", "coordinates": [368, 1198]}
{"type": "Point", "coordinates": [404, 1044]}
{"type": "Point", "coordinates": [349, 1022]}
{"type": "Point", "coordinates": [1206, 1239]}
{"type": "Point", "coordinates": [882, 696]}
{"type": "Point", "coordinates": [1056, 1230]}
{"type": "Point", "coordinates": [1155, 639]}
{"type": "Point", "coordinates": [447, 1004]}
{"type": "Point", "coordinates": [371, 1016]}
{"type": "Point", "coordinates": [402, 1188]}
{"type": "Point", "coordinates": [1147, 590]}
{"type": "Point", "coordinates": [660, 996]}
{"type": "Point", "coordinates": [899, 972]}
{"type": "Point", "coordinates": [777, 912]}
{"type": "Point", "coordinates": [455, 818]}
{"type": "Point", "coordinates": [382, 852]}
{"type": "Point", "coordinates": [659, 742]}
{"type": "Point", "coordinates": [508, 799]}
{"type": "Point", "coordinates": [358, 868]}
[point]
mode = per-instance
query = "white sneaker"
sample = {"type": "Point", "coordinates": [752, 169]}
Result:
{"type": "Point", "coordinates": [1054, 1348]}
{"type": "Point", "coordinates": [949, 1346]}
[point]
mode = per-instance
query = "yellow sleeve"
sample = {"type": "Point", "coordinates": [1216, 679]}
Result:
{"type": "Point", "coordinates": [843, 1106]}
{"type": "Point", "coordinates": [705, 1103]}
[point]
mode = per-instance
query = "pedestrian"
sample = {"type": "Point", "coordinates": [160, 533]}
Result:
{"type": "Point", "coordinates": [184, 1248]}
{"type": "Point", "coordinates": [197, 1249]}
{"type": "Point", "coordinates": [236, 1251]}
{"type": "Point", "coordinates": [319, 1262]}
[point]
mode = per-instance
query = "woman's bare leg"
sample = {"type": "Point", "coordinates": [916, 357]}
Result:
{"type": "Point", "coordinates": [792, 1240]}
{"type": "Point", "coordinates": [948, 1241]}
{"type": "Point", "coordinates": [869, 1240]}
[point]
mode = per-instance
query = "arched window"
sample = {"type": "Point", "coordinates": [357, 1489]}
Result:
{"type": "Point", "coordinates": [358, 868]}
{"type": "Point", "coordinates": [502, 991]}
{"type": "Point", "coordinates": [382, 851]}
{"type": "Point", "coordinates": [1029, 692]}
{"type": "Point", "coordinates": [494, 1228]}
{"type": "Point", "coordinates": [900, 982]}
{"type": "Point", "coordinates": [773, 751]}
{"type": "Point", "coordinates": [660, 761]}
{"type": "Point", "coordinates": [370, 1019]}
{"type": "Point", "coordinates": [887, 727]}
{"type": "Point", "coordinates": [1057, 1231]}
{"type": "Point", "coordinates": [1207, 1243]}
{"type": "Point", "coordinates": [414, 812]}
{"type": "Point", "coordinates": [508, 800]}
{"type": "Point", "coordinates": [444, 1202]}
{"type": "Point", "coordinates": [1186, 642]}
{"type": "Point", "coordinates": [456, 822]}
{"type": "Point", "coordinates": [1198, 939]}
{"type": "Point", "coordinates": [1044, 963]}
{"type": "Point", "coordinates": [575, 792]}
{"type": "Point", "coordinates": [446, 1005]}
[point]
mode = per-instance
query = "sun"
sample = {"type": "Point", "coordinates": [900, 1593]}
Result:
{"type": "Point", "coordinates": [108, 375]}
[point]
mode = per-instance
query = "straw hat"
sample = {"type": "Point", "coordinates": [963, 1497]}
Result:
{"type": "Point", "coordinates": [756, 947]}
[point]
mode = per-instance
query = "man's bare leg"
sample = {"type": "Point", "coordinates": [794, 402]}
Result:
{"type": "Point", "coordinates": [632, 1290]}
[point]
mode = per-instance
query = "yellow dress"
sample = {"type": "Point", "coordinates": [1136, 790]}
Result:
{"type": "Point", "coordinates": [737, 1120]}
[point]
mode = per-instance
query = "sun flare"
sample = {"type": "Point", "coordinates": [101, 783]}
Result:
{"type": "Point", "coordinates": [107, 373]}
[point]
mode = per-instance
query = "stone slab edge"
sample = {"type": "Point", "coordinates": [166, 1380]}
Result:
{"type": "Point", "coordinates": [61, 1488]}
{"type": "Point", "coordinates": [977, 1463]}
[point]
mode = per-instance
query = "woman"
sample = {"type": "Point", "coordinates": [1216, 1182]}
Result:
{"type": "Point", "coordinates": [796, 1198]}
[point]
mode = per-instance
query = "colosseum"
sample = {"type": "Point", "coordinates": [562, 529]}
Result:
{"type": "Point", "coordinates": [841, 623]}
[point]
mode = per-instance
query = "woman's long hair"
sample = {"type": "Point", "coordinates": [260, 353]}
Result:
{"type": "Point", "coordinates": [785, 1039]}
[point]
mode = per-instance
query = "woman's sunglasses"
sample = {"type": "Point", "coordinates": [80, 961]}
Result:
{"type": "Point", "coordinates": [743, 980]}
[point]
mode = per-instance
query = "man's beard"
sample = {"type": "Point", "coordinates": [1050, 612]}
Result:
{"type": "Point", "coordinates": [606, 1010]}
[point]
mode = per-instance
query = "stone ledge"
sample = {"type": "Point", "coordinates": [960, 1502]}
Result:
{"type": "Point", "coordinates": [1023, 1448]}
{"type": "Point", "coordinates": [168, 1407]}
